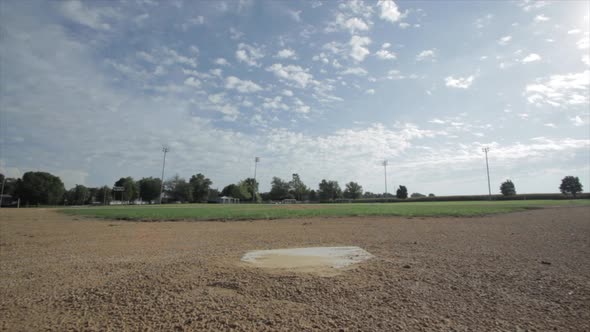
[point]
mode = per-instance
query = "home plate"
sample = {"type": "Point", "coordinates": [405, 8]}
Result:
{"type": "Point", "coordinates": [314, 259]}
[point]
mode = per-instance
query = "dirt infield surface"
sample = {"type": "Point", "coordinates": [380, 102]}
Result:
{"type": "Point", "coordinates": [526, 271]}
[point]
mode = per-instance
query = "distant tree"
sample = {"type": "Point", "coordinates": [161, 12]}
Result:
{"type": "Point", "coordinates": [431, 195]}
{"type": "Point", "coordinates": [92, 197]}
{"type": "Point", "coordinates": [507, 188]}
{"type": "Point", "coordinates": [212, 195]}
{"type": "Point", "coordinates": [402, 192]}
{"type": "Point", "coordinates": [104, 195]}
{"type": "Point", "coordinates": [329, 190]}
{"type": "Point", "coordinates": [417, 195]}
{"type": "Point", "coordinates": [40, 188]}
{"type": "Point", "coordinates": [77, 195]}
{"type": "Point", "coordinates": [230, 190]}
{"type": "Point", "coordinates": [249, 186]}
{"type": "Point", "coordinates": [353, 190]}
{"type": "Point", "coordinates": [178, 190]}
{"type": "Point", "coordinates": [368, 194]}
{"type": "Point", "coordinates": [237, 191]}
{"type": "Point", "coordinates": [130, 189]}
{"type": "Point", "coordinates": [570, 185]}
{"type": "Point", "coordinates": [313, 196]}
{"type": "Point", "coordinates": [297, 188]}
{"type": "Point", "coordinates": [9, 185]}
{"type": "Point", "coordinates": [149, 188]}
{"type": "Point", "coordinates": [200, 186]}
{"type": "Point", "coordinates": [279, 189]}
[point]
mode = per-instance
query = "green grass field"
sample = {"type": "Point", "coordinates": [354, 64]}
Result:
{"type": "Point", "coordinates": [268, 211]}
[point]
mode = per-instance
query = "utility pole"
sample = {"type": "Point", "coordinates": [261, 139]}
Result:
{"type": "Point", "coordinates": [256, 160]}
{"type": "Point", "coordinates": [384, 163]}
{"type": "Point", "coordinates": [2, 191]}
{"type": "Point", "coordinates": [165, 149]}
{"type": "Point", "coordinates": [486, 150]}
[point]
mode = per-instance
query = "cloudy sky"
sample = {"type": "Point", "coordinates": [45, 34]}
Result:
{"type": "Point", "coordinates": [91, 91]}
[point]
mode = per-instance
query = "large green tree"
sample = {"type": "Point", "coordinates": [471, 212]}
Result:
{"type": "Point", "coordinates": [78, 195]}
{"type": "Point", "coordinates": [237, 191]}
{"type": "Point", "coordinates": [178, 190]}
{"type": "Point", "coordinates": [402, 192]}
{"type": "Point", "coordinates": [9, 185]}
{"type": "Point", "coordinates": [329, 190]}
{"type": "Point", "coordinates": [149, 188]}
{"type": "Point", "coordinates": [40, 188]}
{"type": "Point", "coordinates": [250, 186]}
{"type": "Point", "coordinates": [130, 189]}
{"type": "Point", "coordinates": [104, 195]}
{"type": "Point", "coordinates": [353, 190]}
{"type": "Point", "coordinates": [200, 185]}
{"type": "Point", "coordinates": [570, 185]}
{"type": "Point", "coordinates": [297, 188]}
{"type": "Point", "coordinates": [279, 189]}
{"type": "Point", "coordinates": [507, 188]}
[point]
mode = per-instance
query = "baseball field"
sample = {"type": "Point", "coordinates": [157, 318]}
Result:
{"type": "Point", "coordinates": [481, 266]}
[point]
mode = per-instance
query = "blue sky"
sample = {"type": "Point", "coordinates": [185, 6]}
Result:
{"type": "Point", "coordinates": [90, 91]}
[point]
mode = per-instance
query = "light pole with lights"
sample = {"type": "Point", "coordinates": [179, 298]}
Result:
{"type": "Point", "coordinates": [165, 149]}
{"type": "Point", "coordinates": [486, 150]}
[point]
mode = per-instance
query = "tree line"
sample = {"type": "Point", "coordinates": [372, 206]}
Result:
{"type": "Point", "coordinates": [42, 188]}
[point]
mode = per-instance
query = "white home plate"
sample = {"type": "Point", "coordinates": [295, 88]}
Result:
{"type": "Point", "coordinates": [315, 259]}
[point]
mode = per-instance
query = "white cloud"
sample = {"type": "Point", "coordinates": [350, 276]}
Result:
{"type": "Point", "coordinates": [354, 71]}
{"type": "Point", "coordinates": [295, 15]}
{"type": "Point", "coordinates": [243, 86]}
{"type": "Point", "coordinates": [193, 21]}
{"type": "Point", "coordinates": [249, 54]}
{"type": "Point", "coordinates": [459, 82]}
{"type": "Point", "coordinates": [287, 93]}
{"type": "Point", "coordinates": [528, 5]}
{"type": "Point", "coordinates": [358, 47]}
{"type": "Point", "coordinates": [386, 45]}
{"type": "Point", "coordinates": [560, 90]}
{"type": "Point", "coordinates": [504, 40]}
{"type": "Point", "coordinates": [301, 77]}
{"type": "Point", "coordinates": [586, 59]}
{"type": "Point", "coordinates": [574, 31]}
{"type": "Point", "coordinates": [217, 98]}
{"type": "Point", "coordinates": [405, 25]}
{"type": "Point", "coordinates": [274, 104]}
{"type": "Point", "coordinates": [90, 17]}
{"type": "Point", "coordinates": [389, 11]}
{"type": "Point", "coordinates": [221, 62]}
{"type": "Point", "coordinates": [541, 18]}
{"type": "Point", "coordinates": [300, 106]}
{"type": "Point", "coordinates": [370, 91]}
{"type": "Point", "coordinates": [426, 55]}
{"type": "Point", "coordinates": [385, 55]}
{"type": "Point", "coordinates": [171, 57]}
{"type": "Point", "coordinates": [483, 21]}
{"type": "Point", "coordinates": [584, 43]}
{"type": "Point", "coordinates": [578, 121]}
{"type": "Point", "coordinates": [531, 58]}
{"type": "Point", "coordinates": [356, 24]}
{"type": "Point", "coordinates": [550, 125]}
{"type": "Point", "coordinates": [286, 53]}
{"type": "Point", "coordinates": [191, 81]}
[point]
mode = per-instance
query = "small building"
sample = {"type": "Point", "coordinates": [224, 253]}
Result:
{"type": "Point", "coordinates": [228, 200]}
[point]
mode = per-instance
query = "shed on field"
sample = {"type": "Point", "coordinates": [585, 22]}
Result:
{"type": "Point", "coordinates": [228, 200]}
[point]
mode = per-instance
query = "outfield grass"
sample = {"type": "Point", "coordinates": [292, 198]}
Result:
{"type": "Point", "coordinates": [268, 211]}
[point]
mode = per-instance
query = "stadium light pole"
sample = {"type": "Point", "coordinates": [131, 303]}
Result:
{"type": "Point", "coordinates": [486, 150]}
{"type": "Point", "coordinates": [2, 191]}
{"type": "Point", "coordinates": [384, 163]}
{"type": "Point", "coordinates": [256, 160]}
{"type": "Point", "coordinates": [165, 149]}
